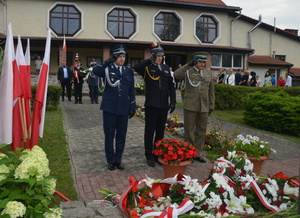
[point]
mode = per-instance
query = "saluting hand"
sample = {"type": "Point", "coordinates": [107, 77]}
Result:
{"type": "Point", "coordinates": [112, 59]}
{"type": "Point", "coordinates": [192, 63]}
{"type": "Point", "coordinates": [153, 57]}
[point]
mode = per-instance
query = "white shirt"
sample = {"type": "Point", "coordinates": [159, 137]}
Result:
{"type": "Point", "coordinates": [288, 82]}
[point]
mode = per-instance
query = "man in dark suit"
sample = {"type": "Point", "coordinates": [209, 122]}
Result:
{"type": "Point", "coordinates": [159, 89]}
{"type": "Point", "coordinates": [64, 77]}
{"type": "Point", "coordinates": [118, 104]}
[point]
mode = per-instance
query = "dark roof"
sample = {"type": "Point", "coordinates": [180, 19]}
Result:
{"type": "Point", "coordinates": [295, 71]}
{"type": "Point", "coordinates": [267, 61]}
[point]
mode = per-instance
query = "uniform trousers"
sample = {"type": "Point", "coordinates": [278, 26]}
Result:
{"type": "Point", "coordinates": [155, 123]}
{"type": "Point", "coordinates": [94, 93]}
{"type": "Point", "coordinates": [78, 91]}
{"type": "Point", "coordinates": [115, 127]}
{"type": "Point", "coordinates": [195, 124]}
{"type": "Point", "coordinates": [66, 84]}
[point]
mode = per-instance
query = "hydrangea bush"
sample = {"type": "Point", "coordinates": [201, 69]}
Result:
{"type": "Point", "coordinates": [26, 187]}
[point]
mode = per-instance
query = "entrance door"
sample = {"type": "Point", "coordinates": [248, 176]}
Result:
{"type": "Point", "coordinates": [173, 60]}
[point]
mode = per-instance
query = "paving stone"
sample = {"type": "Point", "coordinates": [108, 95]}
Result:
{"type": "Point", "coordinates": [79, 212]}
{"type": "Point", "coordinates": [71, 204]}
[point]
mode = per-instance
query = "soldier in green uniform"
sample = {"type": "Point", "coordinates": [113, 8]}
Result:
{"type": "Point", "coordinates": [198, 100]}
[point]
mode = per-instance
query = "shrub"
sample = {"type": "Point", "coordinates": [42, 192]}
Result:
{"type": "Point", "coordinates": [278, 112]}
{"type": "Point", "coordinates": [53, 95]}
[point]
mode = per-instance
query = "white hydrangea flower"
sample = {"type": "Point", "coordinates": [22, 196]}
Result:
{"type": "Point", "coordinates": [14, 209]}
{"type": "Point", "coordinates": [34, 163]}
{"type": "Point", "coordinates": [3, 169]}
{"type": "Point", "coordinates": [56, 212]}
{"type": "Point", "coordinates": [51, 185]}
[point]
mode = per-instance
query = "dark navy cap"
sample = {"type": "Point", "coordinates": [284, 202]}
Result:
{"type": "Point", "coordinates": [119, 49]}
{"type": "Point", "coordinates": [157, 50]}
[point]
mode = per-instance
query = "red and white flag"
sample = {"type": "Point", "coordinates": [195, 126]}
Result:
{"type": "Point", "coordinates": [154, 44]}
{"type": "Point", "coordinates": [6, 90]}
{"type": "Point", "coordinates": [65, 45]}
{"type": "Point", "coordinates": [41, 97]}
{"type": "Point", "coordinates": [18, 114]}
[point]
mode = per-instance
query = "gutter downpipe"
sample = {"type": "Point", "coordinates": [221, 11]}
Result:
{"type": "Point", "coordinates": [231, 26]}
{"type": "Point", "coordinates": [250, 31]}
{"type": "Point", "coordinates": [4, 16]}
{"type": "Point", "coordinates": [271, 38]}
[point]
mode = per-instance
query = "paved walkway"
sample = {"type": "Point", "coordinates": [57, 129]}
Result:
{"type": "Point", "coordinates": [83, 126]}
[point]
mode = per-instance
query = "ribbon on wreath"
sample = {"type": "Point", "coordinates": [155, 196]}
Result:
{"type": "Point", "coordinates": [262, 198]}
{"type": "Point", "coordinates": [172, 211]}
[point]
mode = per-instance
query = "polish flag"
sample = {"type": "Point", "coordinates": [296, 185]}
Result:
{"type": "Point", "coordinates": [65, 45]}
{"type": "Point", "coordinates": [41, 97]}
{"type": "Point", "coordinates": [6, 90]}
{"type": "Point", "coordinates": [25, 99]}
{"type": "Point", "coordinates": [27, 92]}
{"type": "Point", "coordinates": [17, 109]}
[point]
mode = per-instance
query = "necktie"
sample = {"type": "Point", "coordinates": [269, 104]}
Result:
{"type": "Point", "coordinates": [119, 70]}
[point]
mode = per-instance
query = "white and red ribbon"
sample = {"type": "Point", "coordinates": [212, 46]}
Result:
{"type": "Point", "coordinates": [262, 198]}
{"type": "Point", "coordinates": [172, 211]}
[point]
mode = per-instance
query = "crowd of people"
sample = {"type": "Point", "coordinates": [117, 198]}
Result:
{"type": "Point", "coordinates": [118, 103]}
{"type": "Point", "coordinates": [245, 78]}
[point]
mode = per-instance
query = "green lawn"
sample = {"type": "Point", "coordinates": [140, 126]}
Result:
{"type": "Point", "coordinates": [55, 146]}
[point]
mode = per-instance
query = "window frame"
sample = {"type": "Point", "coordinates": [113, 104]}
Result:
{"type": "Point", "coordinates": [180, 25]}
{"type": "Point", "coordinates": [136, 24]}
{"type": "Point", "coordinates": [80, 29]}
{"type": "Point", "coordinates": [232, 60]}
{"type": "Point", "coordinates": [218, 28]}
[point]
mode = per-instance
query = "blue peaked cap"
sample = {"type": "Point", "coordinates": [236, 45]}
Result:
{"type": "Point", "coordinates": [118, 49]}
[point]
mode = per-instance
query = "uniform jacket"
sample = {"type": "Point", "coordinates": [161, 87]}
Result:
{"type": "Point", "coordinates": [60, 74]}
{"type": "Point", "coordinates": [201, 98]}
{"type": "Point", "coordinates": [158, 91]}
{"type": "Point", "coordinates": [118, 100]}
{"type": "Point", "coordinates": [80, 75]}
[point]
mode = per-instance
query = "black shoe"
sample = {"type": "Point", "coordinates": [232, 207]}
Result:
{"type": "Point", "coordinates": [70, 100]}
{"type": "Point", "coordinates": [111, 167]}
{"type": "Point", "coordinates": [80, 102]}
{"type": "Point", "coordinates": [200, 159]}
{"type": "Point", "coordinates": [62, 99]}
{"type": "Point", "coordinates": [151, 163]}
{"type": "Point", "coordinates": [96, 102]}
{"type": "Point", "coordinates": [76, 102]}
{"type": "Point", "coordinates": [120, 166]}
{"type": "Point", "coordinates": [92, 102]}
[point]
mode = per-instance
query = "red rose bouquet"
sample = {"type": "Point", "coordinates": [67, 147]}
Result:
{"type": "Point", "coordinates": [174, 151]}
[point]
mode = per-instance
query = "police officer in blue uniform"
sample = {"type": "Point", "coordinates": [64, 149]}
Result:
{"type": "Point", "coordinates": [118, 104]}
{"type": "Point", "coordinates": [160, 97]}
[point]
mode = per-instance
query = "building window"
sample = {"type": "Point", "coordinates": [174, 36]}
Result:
{"type": "Point", "coordinates": [280, 57]}
{"type": "Point", "coordinates": [65, 20]}
{"type": "Point", "coordinates": [167, 26]}
{"type": "Point", "coordinates": [207, 28]}
{"type": "Point", "coordinates": [121, 23]}
{"type": "Point", "coordinates": [227, 60]}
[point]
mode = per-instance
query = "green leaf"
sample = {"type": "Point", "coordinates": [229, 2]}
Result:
{"type": "Point", "coordinates": [39, 197]}
{"type": "Point", "coordinates": [29, 191]}
{"type": "Point", "coordinates": [31, 181]}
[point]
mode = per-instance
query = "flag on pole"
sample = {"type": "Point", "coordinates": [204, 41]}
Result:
{"type": "Point", "coordinates": [41, 96]}
{"type": "Point", "coordinates": [6, 90]}
{"type": "Point", "coordinates": [65, 45]}
{"type": "Point", "coordinates": [25, 99]}
{"type": "Point", "coordinates": [27, 92]}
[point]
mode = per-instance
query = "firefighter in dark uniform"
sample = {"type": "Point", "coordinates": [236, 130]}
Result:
{"type": "Point", "coordinates": [159, 89]}
{"type": "Point", "coordinates": [118, 104]}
